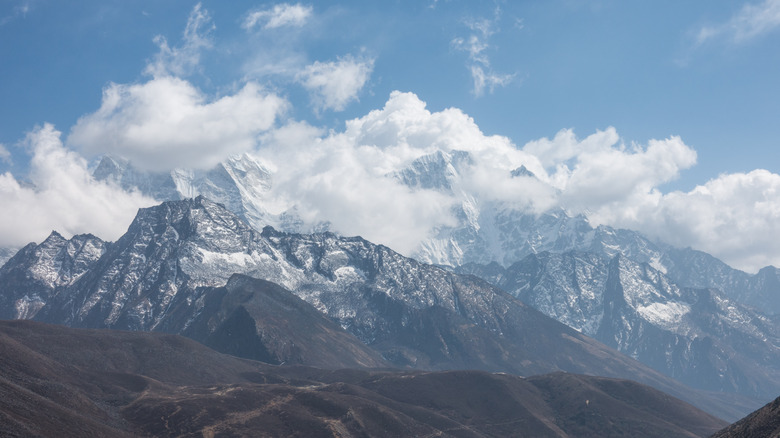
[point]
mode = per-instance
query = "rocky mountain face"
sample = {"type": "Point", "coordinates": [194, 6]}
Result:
{"type": "Point", "coordinates": [764, 422]}
{"type": "Point", "coordinates": [260, 320]}
{"type": "Point", "coordinates": [63, 382]}
{"type": "Point", "coordinates": [172, 272]}
{"type": "Point", "coordinates": [697, 336]}
{"type": "Point", "coordinates": [495, 232]}
{"type": "Point", "coordinates": [34, 273]}
{"type": "Point", "coordinates": [239, 183]}
{"type": "Point", "coordinates": [6, 254]}
{"type": "Point", "coordinates": [486, 231]}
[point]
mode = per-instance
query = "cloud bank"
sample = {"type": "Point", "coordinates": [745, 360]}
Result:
{"type": "Point", "coordinates": [61, 195]}
{"type": "Point", "coordinates": [343, 177]}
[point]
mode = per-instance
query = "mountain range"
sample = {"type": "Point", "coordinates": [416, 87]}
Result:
{"type": "Point", "coordinates": [697, 336]}
{"type": "Point", "coordinates": [175, 268]}
{"type": "Point", "coordinates": [487, 231]}
{"type": "Point", "coordinates": [494, 240]}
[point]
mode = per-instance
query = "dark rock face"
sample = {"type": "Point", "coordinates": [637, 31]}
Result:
{"type": "Point", "coordinates": [260, 320]}
{"type": "Point", "coordinates": [65, 382]}
{"type": "Point", "coordinates": [764, 422]}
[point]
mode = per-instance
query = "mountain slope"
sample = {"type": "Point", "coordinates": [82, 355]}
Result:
{"type": "Point", "coordinates": [113, 383]}
{"type": "Point", "coordinates": [694, 335]}
{"type": "Point", "coordinates": [763, 423]}
{"type": "Point", "coordinates": [260, 320]}
{"type": "Point", "coordinates": [497, 231]}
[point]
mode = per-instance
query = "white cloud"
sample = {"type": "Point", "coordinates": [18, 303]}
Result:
{"type": "Point", "coordinates": [476, 46]}
{"type": "Point", "coordinates": [62, 196]}
{"type": "Point", "coordinates": [335, 84]}
{"type": "Point", "coordinates": [281, 15]}
{"type": "Point", "coordinates": [167, 123]}
{"type": "Point", "coordinates": [344, 177]}
{"type": "Point", "coordinates": [604, 174]}
{"type": "Point", "coordinates": [338, 180]}
{"type": "Point", "coordinates": [179, 61]}
{"type": "Point", "coordinates": [752, 21]}
{"type": "Point", "coordinates": [735, 217]}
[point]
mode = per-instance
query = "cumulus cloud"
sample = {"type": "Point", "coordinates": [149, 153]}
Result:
{"type": "Point", "coordinates": [600, 172]}
{"type": "Point", "coordinates": [346, 178]}
{"type": "Point", "coordinates": [735, 217]}
{"type": "Point", "coordinates": [335, 84]}
{"type": "Point", "coordinates": [180, 60]}
{"type": "Point", "coordinates": [476, 46]}
{"type": "Point", "coordinates": [281, 15]}
{"type": "Point", "coordinates": [752, 21]}
{"type": "Point", "coordinates": [61, 195]}
{"type": "Point", "coordinates": [337, 180]}
{"type": "Point", "coordinates": [167, 123]}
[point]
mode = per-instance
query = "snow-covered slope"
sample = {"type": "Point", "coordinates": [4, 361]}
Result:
{"type": "Point", "coordinates": [698, 336]}
{"type": "Point", "coordinates": [486, 230]}
{"type": "Point", "coordinates": [496, 231]}
{"type": "Point", "coordinates": [32, 276]}
{"type": "Point", "coordinates": [240, 183]}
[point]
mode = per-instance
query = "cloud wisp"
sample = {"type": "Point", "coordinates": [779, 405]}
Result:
{"type": "Point", "coordinates": [181, 60]}
{"type": "Point", "coordinates": [751, 22]}
{"type": "Point", "coordinates": [280, 15]}
{"type": "Point", "coordinates": [5, 154]}
{"type": "Point", "coordinates": [476, 46]}
{"type": "Point", "coordinates": [20, 10]}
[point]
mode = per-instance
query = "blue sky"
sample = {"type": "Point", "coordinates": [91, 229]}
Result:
{"type": "Point", "coordinates": [704, 72]}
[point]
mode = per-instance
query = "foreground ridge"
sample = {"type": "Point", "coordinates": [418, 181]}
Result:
{"type": "Point", "coordinates": [66, 382]}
